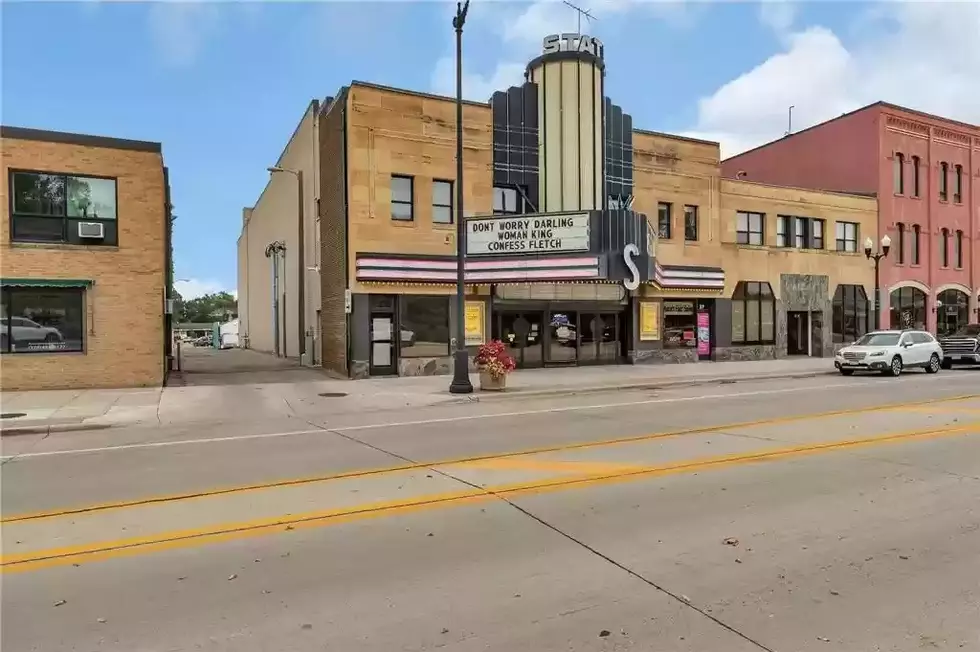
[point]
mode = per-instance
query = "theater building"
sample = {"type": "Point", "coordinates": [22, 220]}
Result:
{"type": "Point", "coordinates": [588, 241]}
{"type": "Point", "coordinates": [925, 170]}
{"type": "Point", "coordinates": [84, 261]}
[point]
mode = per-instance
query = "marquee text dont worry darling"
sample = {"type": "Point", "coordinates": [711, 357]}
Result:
{"type": "Point", "coordinates": [530, 234]}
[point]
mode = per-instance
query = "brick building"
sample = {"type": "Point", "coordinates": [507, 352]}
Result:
{"type": "Point", "coordinates": [84, 261]}
{"type": "Point", "coordinates": [558, 185]}
{"type": "Point", "coordinates": [925, 171]}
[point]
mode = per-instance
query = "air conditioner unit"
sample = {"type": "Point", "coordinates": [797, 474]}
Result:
{"type": "Point", "coordinates": [91, 230]}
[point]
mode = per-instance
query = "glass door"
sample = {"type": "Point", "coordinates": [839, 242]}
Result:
{"type": "Point", "coordinates": [382, 344]}
{"type": "Point", "coordinates": [562, 342]}
{"type": "Point", "coordinates": [522, 334]}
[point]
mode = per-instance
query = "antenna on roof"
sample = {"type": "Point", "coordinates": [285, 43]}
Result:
{"type": "Point", "coordinates": [789, 127]}
{"type": "Point", "coordinates": [589, 17]}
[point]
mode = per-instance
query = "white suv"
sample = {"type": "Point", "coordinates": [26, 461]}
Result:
{"type": "Point", "coordinates": [890, 352]}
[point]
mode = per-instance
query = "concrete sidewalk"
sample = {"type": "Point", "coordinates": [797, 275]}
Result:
{"type": "Point", "coordinates": [313, 395]}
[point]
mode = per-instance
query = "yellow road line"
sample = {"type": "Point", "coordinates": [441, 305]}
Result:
{"type": "Point", "coordinates": [495, 456]}
{"type": "Point", "coordinates": [109, 549]}
{"type": "Point", "coordinates": [421, 465]}
{"type": "Point", "coordinates": [557, 466]}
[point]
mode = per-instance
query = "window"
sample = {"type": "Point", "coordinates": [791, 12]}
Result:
{"type": "Point", "coordinates": [507, 201]}
{"type": "Point", "coordinates": [900, 241]}
{"type": "Point", "coordinates": [442, 202]}
{"type": "Point", "coordinates": [944, 248]}
{"type": "Point", "coordinates": [943, 181]}
{"type": "Point", "coordinates": [899, 173]}
{"type": "Point", "coordinates": [958, 184]}
{"type": "Point", "coordinates": [680, 325]}
{"type": "Point", "coordinates": [423, 322]}
{"type": "Point", "coordinates": [916, 234]}
{"type": "Point", "coordinates": [782, 231]}
{"type": "Point", "coordinates": [958, 249]}
{"type": "Point", "coordinates": [51, 208]}
{"type": "Point", "coordinates": [807, 233]}
{"type": "Point", "coordinates": [915, 176]}
{"type": "Point", "coordinates": [753, 313]}
{"type": "Point", "coordinates": [907, 308]}
{"type": "Point", "coordinates": [691, 223]}
{"type": "Point", "coordinates": [850, 313]}
{"type": "Point", "coordinates": [402, 198]}
{"type": "Point", "coordinates": [663, 220]}
{"type": "Point", "coordinates": [41, 320]}
{"type": "Point", "coordinates": [750, 228]}
{"type": "Point", "coordinates": [847, 236]}
{"type": "Point", "coordinates": [952, 311]}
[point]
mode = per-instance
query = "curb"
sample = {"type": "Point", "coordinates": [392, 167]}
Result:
{"type": "Point", "coordinates": [50, 428]}
{"type": "Point", "coordinates": [644, 385]}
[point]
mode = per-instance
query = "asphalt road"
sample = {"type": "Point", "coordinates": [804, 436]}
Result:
{"type": "Point", "coordinates": [819, 514]}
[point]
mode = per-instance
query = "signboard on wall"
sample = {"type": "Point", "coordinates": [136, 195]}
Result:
{"type": "Point", "coordinates": [649, 321]}
{"type": "Point", "coordinates": [527, 234]}
{"type": "Point", "coordinates": [474, 323]}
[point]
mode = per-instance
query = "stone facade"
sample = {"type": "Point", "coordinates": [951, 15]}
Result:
{"type": "Point", "coordinates": [806, 293]}
{"type": "Point", "coordinates": [744, 353]}
{"type": "Point", "coordinates": [663, 356]}
{"type": "Point", "coordinates": [124, 305]}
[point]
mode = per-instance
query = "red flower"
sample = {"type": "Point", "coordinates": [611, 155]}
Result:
{"type": "Point", "coordinates": [493, 358]}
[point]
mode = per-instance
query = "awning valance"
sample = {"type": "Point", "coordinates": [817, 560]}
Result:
{"type": "Point", "coordinates": [45, 283]}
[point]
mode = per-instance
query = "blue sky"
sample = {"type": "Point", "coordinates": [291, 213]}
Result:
{"type": "Point", "coordinates": [222, 85]}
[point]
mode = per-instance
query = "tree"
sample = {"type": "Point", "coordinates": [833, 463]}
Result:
{"type": "Point", "coordinates": [220, 306]}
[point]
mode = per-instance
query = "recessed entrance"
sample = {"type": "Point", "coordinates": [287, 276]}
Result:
{"type": "Point", "coordinates": [804, 333]}
{"type": "Point", "coordinates": [556, 336]}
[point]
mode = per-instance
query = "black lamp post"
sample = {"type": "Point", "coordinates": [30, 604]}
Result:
{"type": "Point", "coordinates": [882, 252]}
{"type": "Point", "coordinates": [461, 372]}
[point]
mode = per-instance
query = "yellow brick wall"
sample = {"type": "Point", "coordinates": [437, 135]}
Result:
{"type": "Point", "coordinates": [125, 331]}
{"type": "Point", "coordinates": [682, 171]}
{"type": "Point", "coordinates": [394, 132]}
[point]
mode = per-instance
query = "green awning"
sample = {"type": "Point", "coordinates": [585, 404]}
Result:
{"type": "Point", "coordinates": [45, 283]}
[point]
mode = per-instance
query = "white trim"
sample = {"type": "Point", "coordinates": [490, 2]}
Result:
{"type": "Point", "coordinates": [910, 284]}
{"type": "Point", "coordinates": [965, 289]}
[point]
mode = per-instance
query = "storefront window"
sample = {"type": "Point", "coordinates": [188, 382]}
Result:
{"type": "Point", "coordinates": [42, 320]}
{"type": "Point", "coordinates": [908, 308]}
{"type": "Point", "coordinates": [952, 311]}
{"type": "Point", "coordinates": [753, 313]}
{"type": "Point", "coordinates": [680, 325]}
{"type": "Point", "coordinates": [424, 324]}
{"type": "Point", "coordinates": [850, 313]}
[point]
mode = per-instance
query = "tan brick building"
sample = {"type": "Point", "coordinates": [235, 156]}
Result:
{"type": "Point", "coordinates": [558, 185]}
{"type": "Point", "coordinates": [84, 261]}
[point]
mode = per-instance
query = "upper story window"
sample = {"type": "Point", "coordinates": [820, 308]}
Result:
{"type": "Point", "coordinates": [402, 198]}
{"type": "Point", "coordinates": [900, 241]}
{"type": "Point", "coordinates": [958, 249]}
{"type": "Point", "coordinates": [944, 248]}
{"type": "Point", "coordinates": [847, 236]}
{"type": "Point", "coordinates": [944, 181]}
{"type": "Point", "coordinates": [664, 211]}
{"type": "Point", "coordinates": [916, 242]}
{"type": "Point", "coordinates": [72, 209]}
{"type": "Point", "coordinates": [915, 176]}
{"type": "Point", "coordinates": [899, 173]}
{"type": "Point", "coordinates": [691, 223]}
{"type": "Point", "coordinates": [958, 183]}
{"type": "Point", "coordinates": [507, 201]}
{"type": "Point", "coordinates": [442, 202]}
{"type": "Point", "coordinates": [750, 228]}
{"type": "Point", "coordinates": [799, 232]}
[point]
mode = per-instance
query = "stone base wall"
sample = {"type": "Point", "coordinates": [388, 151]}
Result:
{"type": "Point", "coordinates": [439, 366]}
{"type": "Point", "coordinates": [742, 353]}
{"type": "Point", "coordinates": [663, 356]}
{"type": "Point", "coordinates": [360, 369]}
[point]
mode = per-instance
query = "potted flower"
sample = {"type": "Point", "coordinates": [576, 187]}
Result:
{"type": "Point", "coordinates": [494, 364]}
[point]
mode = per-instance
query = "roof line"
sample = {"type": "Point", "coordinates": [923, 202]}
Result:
{"type": "Point", "coordinates": [405, 91]}
{"type": "Point", "coordinates": [85, 140]}
{"type": "Point", "coordinates": [664, 134]}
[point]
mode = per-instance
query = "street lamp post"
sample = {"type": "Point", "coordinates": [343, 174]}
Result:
{"type": "Point", "coordinates": [461, 373]}
{"type": "Point", "coordinates": [876, 256]}
{"type": "Point", "coordinates": [301, 259]}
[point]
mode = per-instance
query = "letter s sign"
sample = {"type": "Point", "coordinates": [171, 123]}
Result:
{"type": "Point", "coordinates": [633, 281]}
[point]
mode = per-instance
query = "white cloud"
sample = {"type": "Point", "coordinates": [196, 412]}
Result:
{"type": "Point", "coordinates": [924, 55]}
{"type": "Point", "coordinates": [181, 29]}
{"type": "Point", "coordinates": [193, 288]}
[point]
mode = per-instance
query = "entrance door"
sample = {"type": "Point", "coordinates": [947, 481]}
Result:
{"type": "Point", "coordinates": [562, 341]}
{"type": "Point", "coordinates": [600, 338]}
{"type": "Point", "coordinates": [523, 334]}
{"type": "Point", "coordinates": [797, 333]}
{"type": "Point", "coordinates": [382, 344]}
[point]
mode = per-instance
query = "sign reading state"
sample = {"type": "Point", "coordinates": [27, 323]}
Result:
{"type": "Point", "coordinates": [573, 43]}
{"type": "Point", "coordinates": [527, 234]}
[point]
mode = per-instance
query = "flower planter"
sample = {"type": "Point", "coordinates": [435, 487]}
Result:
{"type": "Point", "coordinates": [490, 384]}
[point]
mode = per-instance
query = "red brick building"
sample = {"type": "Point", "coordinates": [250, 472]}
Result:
{"type": "Point", "coordinates": [925, 171]}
